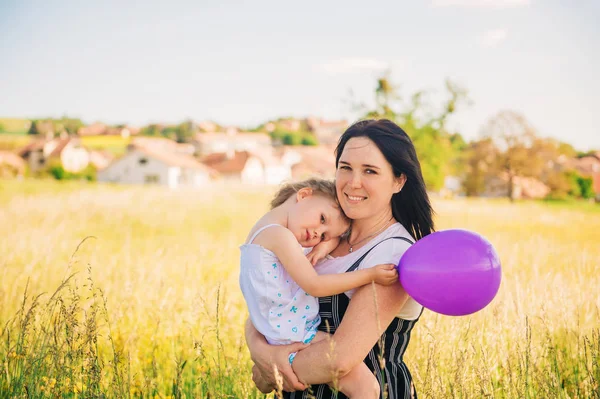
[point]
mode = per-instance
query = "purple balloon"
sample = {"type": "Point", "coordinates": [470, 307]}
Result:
{"type": "Point", "coordinates": [453, 272]}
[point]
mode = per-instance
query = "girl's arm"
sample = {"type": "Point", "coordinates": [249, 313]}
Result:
{"type": "Point", "coordinates": [322, 249]}
{"type": "Point", "coordinates": [283, 243]}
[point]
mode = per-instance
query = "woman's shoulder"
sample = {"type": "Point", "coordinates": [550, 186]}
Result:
{"type": "Point", "coordinates": [388, 247]}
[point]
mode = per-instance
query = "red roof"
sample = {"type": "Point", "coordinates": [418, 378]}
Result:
{"type": "Point", "coordinates": [227, 164]}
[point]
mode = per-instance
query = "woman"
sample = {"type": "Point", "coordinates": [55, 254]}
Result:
{"type": "Point", "coordinates": [380, 187]}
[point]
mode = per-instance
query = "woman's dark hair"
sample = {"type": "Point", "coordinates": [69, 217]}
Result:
{"type": "Point", "coordinates": [411, 206]}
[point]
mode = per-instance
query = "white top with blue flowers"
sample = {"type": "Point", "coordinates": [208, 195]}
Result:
{"type": "Point", "coordinates": [278, 307]}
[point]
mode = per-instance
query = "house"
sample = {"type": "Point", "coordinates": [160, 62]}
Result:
{"type": "Point", "coordinates": [290, 124]}
{"type": "Point", "coordinates": [98, 129]}
{"type": "Point", "coordinates": [95, 129]}
{"type": "Point", "coordinates": [307, 161]}
{"type": "Point", "coordinates": [524, 187]}
{"type": "Point", "coordinates": [209, 143]}
{"type": "Point", "coordinates": [162, 144]}
{"type": "Point", "coordinates": [66, 149]}
{"type": "Point", "coordinates": [11, 165]}
{"type": "Point", "coordinates": [153, 165]}
{"type": "Point", "coordinates": [327, 132]}
{"type": "Point", "coordinates": [207, 126]}
{"type": "Point", "coordinates": [100, 159]}
{"type": "Point", "coordinates": [249, 167]}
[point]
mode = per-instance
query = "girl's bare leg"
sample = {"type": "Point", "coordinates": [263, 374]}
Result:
{"type": "Point", "coordinates": [358, 383]}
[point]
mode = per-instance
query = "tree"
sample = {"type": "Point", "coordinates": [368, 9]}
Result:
{"type": "Point", "coordinates": [517, 145]}
{"type": "Point", "coordinates": [425, 125]}
{"type": "Point", "coordinates": [70, 125]}
{"type": "Point", "coordinates": [310, 140]}
{"type": "Point", "coordinates": [33, 128]}
{"type": "Point", "coordinates": [153, 130]}
{"type": "Point", "coordinates": [479, 157]}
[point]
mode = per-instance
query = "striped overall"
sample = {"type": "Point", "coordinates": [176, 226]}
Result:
{"type": "Point", "coordinates": [397, 378]}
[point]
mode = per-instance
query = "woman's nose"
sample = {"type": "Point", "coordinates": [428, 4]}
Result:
{"type": "Point", "coordinates": [355, 182]}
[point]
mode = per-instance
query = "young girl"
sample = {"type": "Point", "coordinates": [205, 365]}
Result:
{"type": "Point", "coordinates": [281, 286]}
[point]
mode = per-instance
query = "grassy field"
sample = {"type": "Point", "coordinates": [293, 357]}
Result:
{"type": "Point", "coordinates": [13, 141]}
{"type": "Point", "coordinates": [14, 125]}
{"type": "Point", "coordinates": [116, 145]}
{"type": "Point", "coordinates": [149, 306]}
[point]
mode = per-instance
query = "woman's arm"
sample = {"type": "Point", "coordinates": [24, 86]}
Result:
{"type": "Point", "coordinates": [371, 310]}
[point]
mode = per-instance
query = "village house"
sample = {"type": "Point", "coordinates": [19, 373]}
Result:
{"type": "Point", "coordinates": [101, 129]}
{"type": "Point", "coordinates": [249, 167]}
{"type": "Point", "coordinates": [309, 161]}
{"type": "Point", "coordinates": [231, 141]}
{"type": "Point", "coordinates": [11, 165]}
{"type": "Point", "coordinates": [524, 187]}
{"type": "Point", "coordinates": [326, 132]}
{"type": "Point", "coordinates": [151, 164]}
{"type": "Point", "coordinates": [162, 144]}
{"type": "Point", "coordinates": [100, 159]}
{"type": "Point", "coordinates": [66, 149]}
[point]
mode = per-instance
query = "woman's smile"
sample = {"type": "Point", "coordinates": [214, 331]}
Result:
{"type": "Point", "coordinates": [354, 199]}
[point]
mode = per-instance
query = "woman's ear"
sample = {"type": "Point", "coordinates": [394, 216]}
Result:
{"type": "Point", "coordinates": [304, 193]}
{"type": "Point", "coordinates": [399, 182]}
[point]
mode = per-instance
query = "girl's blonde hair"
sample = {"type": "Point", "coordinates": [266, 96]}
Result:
{"type": "Point", "coordinates": [319, 186]}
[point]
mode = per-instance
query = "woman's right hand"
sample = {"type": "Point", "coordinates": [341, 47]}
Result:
{"type": "Point", "coordinates": [273, 357]}
{"type": "Point", "coordinates": [385, 274]}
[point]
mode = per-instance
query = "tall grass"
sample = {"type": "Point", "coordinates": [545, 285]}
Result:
{"type": "Point", "coordinates": [133, 292]}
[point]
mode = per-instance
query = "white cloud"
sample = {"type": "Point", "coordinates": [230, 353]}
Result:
{"type": "Point", "coordinates": [481, 3]}
{"type": "Point", "coordinates": [492, 38]}
{"type": "Point", "coordinates": [353, 65]}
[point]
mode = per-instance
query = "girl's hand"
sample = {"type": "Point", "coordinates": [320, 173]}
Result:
{"type": "Point", "coordinates": [385, 274]}
{"type": "Point", "coordinates": [276, 357]}
{"type": "Point", "coordinates": [318, 252]}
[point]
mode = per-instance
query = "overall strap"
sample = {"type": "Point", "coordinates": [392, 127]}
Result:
{"type": "Point", "coordinates": [357, 263]}
{"type": "Point", "coordinates": [257, 232]}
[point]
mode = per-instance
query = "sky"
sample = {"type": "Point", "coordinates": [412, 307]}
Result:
{"type": "Point", "coordinates": [242, 63]}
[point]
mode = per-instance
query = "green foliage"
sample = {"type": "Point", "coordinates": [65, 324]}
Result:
{"type": "Point", "coordinates": [182, 132]}
{"type": "Point", "coordinates": [309, 139]}
{"type": "Point", "coordinates": [562, 184]}
{"type": "Point", "coordinates": [151, 130]}
{"type": "Point", "coordinates": [294, 138]}
{"type": "Point", "coordinates": [55, 126]}
{"type": "Point", "coordinates": [586, 187]}
{"type": "Point", "coordinates": [14, 125]}
{"type": "Point", "coordinates": [477, 158]}
{"type": "Point", "coordinates": [437, 149]}
{"type": "Point", "coordinates": [569, 184]}
{"type": "Point", "coordinates": [57, 171]}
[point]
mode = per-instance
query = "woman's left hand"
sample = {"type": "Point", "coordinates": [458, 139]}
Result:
{"type": "Point", "coordinates": [260, 382]}
{"type": "Point", "coordinates": [276, 357]}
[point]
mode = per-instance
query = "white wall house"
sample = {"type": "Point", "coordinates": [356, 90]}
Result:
{"type": "Point", "coordinates": [209, 143]}
{"type": "Point", "coordinates": [249, 168]}
{"type": "Point", "coordinates": [73, 156]}
{"type": "Point", "coordinates": [142, 166]}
